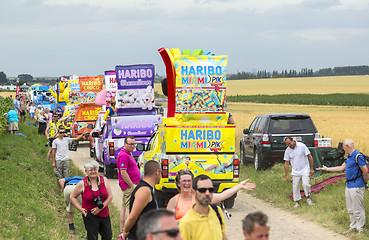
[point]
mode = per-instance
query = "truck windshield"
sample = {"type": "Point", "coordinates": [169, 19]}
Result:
{"type": "Point", "coordinates": [291, 125]}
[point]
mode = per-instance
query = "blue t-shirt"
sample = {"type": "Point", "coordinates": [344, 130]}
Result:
{"type": "Point", "coordinates": [12, 116]}
{"type": "Point", "coordinates": [351, 170]}
{"type": "Point", "coordinates": [16, 104]}
{"type": "Point", "coordinates": [73, 180]}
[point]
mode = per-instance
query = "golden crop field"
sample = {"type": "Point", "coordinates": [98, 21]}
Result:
{"type": "Point", "coordinates": [313, 85]}
{"type": "Point", "coordinates": [333, 122]}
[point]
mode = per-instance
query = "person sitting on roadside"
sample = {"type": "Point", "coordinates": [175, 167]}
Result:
{"type": "Point", "coordinates": [255, 226]}
{"type": "Point", "coordinates": [12, 118]}
{"type": "Point", "coordinates": [96, 196]}
{"type": "Point", "coordinates": [185, 199]}
{"type": "Point", "coordinates": [158, 224]}
{"type": "Point", "coordinates": [68, 185]}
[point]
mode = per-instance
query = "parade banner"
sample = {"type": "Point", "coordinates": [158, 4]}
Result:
{"type": "Point", "coordinates": [135, 93]}
{"type": "Point", "coordinates": [111, 86]}
{"type": "Point", "coordinates": [87, 113]}
{"type": "Point", "coordinates": [74, 85]}
{"type": "Point", "coordinates": [76, 97]}
{"type": "Point", "coordinates": [91, 84]}
{"type": "Point", "coordinates": [134, 125]}
{"type": "Point", "coordinates": [110, 81]}
{"type": "Point", "coordinates": [200, 139]}
{"type": "Point", "coordinates": [200, 84]}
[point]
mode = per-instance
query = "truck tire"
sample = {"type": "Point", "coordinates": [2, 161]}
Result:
{"type": "Point", "coordinates": [258, 161]}
{"type": "Point", "coordinates": [242, 154]}
{"type": "Point", "coordinates": [108, 170]}
{"type": "Point", "coordinates": [229, 202]}
{"type": "Point", "coordinates": [161, 198]}
{"type": "Point", "coordinates": [92, 152]}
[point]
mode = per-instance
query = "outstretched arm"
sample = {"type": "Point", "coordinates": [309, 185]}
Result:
{"type": "Point", "coordinates": [217, 197]}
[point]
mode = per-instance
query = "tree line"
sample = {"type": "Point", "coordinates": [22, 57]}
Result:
{"type": "Point", "coordinates": [305, 72]}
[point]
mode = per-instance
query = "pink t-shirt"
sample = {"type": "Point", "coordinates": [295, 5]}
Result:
{"type": "Point", "coordinates": [127, 162]}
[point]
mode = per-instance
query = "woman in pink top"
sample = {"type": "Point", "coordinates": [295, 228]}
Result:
{"type": "Point", "coordinates": [181, 203]}
{"type": "Point", "coordinates": [96, 195]}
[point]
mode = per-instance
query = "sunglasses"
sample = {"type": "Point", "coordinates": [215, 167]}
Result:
{"type": "Point", "coordinates": [203, 190]}
{"type": "Point", "coordinates": [170, 232]}
{"type": "Point", "coordinates": [62, 132]}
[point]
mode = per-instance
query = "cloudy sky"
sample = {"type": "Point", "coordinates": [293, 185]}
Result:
{"type": "Point", "coordinates": [87, 37]}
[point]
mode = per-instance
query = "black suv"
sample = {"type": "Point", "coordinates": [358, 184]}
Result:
{"type": "Point", "coordinates": [263, 141]}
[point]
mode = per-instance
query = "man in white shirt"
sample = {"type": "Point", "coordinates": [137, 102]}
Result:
{"type": "Point", "coordinates": [302, 165]}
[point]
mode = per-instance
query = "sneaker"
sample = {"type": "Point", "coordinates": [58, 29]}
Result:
{"type": "Point", "coordinates": [72, 231]}
{"type": "Point", "coordinates": [309, 202]}
{"type": "Point", "coordinates": [297, 205]}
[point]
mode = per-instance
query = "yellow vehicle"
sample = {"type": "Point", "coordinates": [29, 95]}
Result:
{"type": "Point", "coordinates": [196, 134]}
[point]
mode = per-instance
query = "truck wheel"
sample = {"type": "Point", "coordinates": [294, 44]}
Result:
{"type": "Point", "coordinates": [161, 198]}
{"type": "Point", "coordinates": [92, 152]}
{"type": "Point", "coordinates": [242, 154]}
{"type": "Point", "coordinates": [108, 170]}
{"type": "Point", "coordinates": [258, 161]}
{"type": "Point", "coordinates": [229, 202]}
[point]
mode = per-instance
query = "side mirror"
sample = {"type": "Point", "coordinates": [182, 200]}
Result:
{"type": "Point", "coordinates": [95, 134]}
{"type": "Point", "coordinates": [140, 147]}
{"type": "Point", "coordinates": [90, 126]}
{"type": "Point", "coordinates": [246, 131]}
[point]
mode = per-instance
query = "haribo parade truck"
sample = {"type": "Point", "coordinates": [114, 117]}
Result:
{"type": "Point", "coordinates": [195, 135]}
{"type": "Point", "coordinates": [87, 111]}
{"type": "Point", "coordinates": [135, 114]}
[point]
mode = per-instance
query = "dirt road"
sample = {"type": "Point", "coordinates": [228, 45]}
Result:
{"type": "Point", "coordinates": [284, 225]}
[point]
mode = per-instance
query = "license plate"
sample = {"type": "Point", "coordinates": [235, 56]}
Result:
{"type": "Point", "coordinates": [298, 138]}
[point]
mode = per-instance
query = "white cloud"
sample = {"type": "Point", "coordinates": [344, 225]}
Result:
{"type": "Point", "coordinates": [180, 5]}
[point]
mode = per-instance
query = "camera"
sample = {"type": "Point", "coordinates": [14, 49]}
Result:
{"type": "Point", "coordinates": [47, 143]}
{"type": "Point", "coordinates": [98, 202]}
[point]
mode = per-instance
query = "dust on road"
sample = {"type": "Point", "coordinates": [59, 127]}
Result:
{"type": "Point", "coordinates": [284, 225]}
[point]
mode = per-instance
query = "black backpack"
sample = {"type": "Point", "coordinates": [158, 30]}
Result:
{"type": "Point", "coordinates": [358, 174]}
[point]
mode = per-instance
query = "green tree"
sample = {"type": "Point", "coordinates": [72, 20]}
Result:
{"type": "Point", "coordinates": [3, 78]}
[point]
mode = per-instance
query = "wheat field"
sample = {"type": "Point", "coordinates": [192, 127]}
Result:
{"type": "Point", "coordinates": [333, 122]}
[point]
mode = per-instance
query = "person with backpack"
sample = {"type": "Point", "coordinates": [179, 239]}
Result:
{"type": "Point", "coordinates": [356, 180]}
{"type": "Point", "coordinates": [203, 221]}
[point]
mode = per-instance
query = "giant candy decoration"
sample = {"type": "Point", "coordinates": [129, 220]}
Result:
{"type": "Point", "coordinates": [196, 83]}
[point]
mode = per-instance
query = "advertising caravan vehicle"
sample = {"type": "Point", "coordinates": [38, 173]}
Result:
{"type": "Point", "coordinates": [135, 113]}
{"type": "Point", "coordinates": [196, 134]}
{"type": "Point", "coordinates": [87, 111]}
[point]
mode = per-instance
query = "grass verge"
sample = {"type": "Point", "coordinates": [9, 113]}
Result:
{"type": "Point", "coordinates": [337, 99]}
{"type": "Point", "coordinates": [329, 207]}
{"type": "Point", "coordinates": [31, 205]}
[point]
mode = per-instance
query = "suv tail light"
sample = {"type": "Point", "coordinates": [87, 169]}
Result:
{"type": "Point", "coordinates": [164, 168]}
{"type": "Point", "coordinates": [111, 149]}
{"type": "Point", "coordinates": [265, 139]}
{"type": "Point", "coordinates": [236, 167]}
{"type": "Point", "coordinates": [76, 128]}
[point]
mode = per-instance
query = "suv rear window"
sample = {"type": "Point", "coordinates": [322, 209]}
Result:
{"type": "Point", "coordinates": [298, 124]}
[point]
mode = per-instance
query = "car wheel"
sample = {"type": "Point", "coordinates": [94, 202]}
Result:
{"type": "Point", "coordinates": [242, 153]}
{"type": "Point", "coordinates": [258, 161]}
